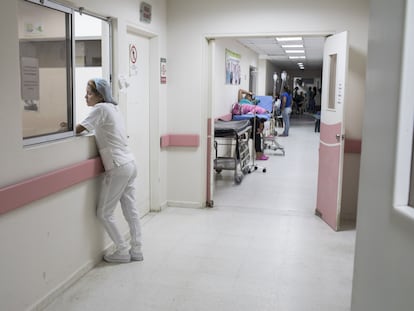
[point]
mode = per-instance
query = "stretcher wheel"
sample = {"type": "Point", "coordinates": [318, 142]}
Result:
{"type": "Point", "coordinates": [238, 179]}
{"type": "Point", "coordinates": [264, 170]}
{"type": "Point", "coordinates": [218, 170]}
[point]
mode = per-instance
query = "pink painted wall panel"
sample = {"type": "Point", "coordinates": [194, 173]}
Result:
{"type": "Point", "coordinates": [328, 132]}
{"type": "Point", "coordinates": [327, 194]}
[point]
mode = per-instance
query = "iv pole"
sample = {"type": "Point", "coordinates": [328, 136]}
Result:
{"type": "Point", "coordinates": [253, 165]}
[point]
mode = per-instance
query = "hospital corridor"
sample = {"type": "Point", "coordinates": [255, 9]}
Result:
{"type": "Point", "coordinates": [260, 247]}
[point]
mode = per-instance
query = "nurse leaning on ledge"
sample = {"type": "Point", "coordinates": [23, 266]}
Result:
{"type": "Point", "coordinates": [107, 123]}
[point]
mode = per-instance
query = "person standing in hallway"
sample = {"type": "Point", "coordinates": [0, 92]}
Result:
{"type": "Point", "coordinates": [118, 184]}
{"type": "Point", "coordinates": [286, 107]}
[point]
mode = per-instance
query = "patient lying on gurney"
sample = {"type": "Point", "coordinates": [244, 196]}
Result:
{"type": "Point", "coordinates": [239, 108]}
{"type": "Point", "coordinates": [246, 104]}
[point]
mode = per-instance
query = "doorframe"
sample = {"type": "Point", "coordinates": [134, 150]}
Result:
{"type": "Point", "coordinates": [154, 89]}
{"type": "Point", "coordinates": [209, 99]}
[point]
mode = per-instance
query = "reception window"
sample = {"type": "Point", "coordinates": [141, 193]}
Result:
{"type": "Point", "coordinates": [60, 48]}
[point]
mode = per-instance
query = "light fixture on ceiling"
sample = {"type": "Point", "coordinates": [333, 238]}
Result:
{"type": "Point", "coordinates": [294, 51]}
{"type": "Point", "coordinates": [284, 39]}
{"type": "Point", "coordinates": [292, 46]}
{"type": "Point", "coordinates": [297, 57]}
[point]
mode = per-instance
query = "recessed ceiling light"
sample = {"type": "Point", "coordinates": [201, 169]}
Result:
{"type": "Point", "coordinates": [295, 51]}
{"type": "Point", "coordinates": [289, 38]}
{"type": "Point", "coordinates": [292, 46]}
{"type": "Point", "coordinates": [297, 57]}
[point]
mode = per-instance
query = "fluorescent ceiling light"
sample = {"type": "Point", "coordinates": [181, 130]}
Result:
{"type": "Point", "coordinates": [295, 51]}
{"type": "Point", "coordinates": [292, 46]}
{"type": "Point", "coordinates": [297, 57]}
{"type": "Point", "coordinates": [289, 38]}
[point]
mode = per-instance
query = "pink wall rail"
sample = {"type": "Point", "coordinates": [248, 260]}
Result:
{"type": "Point", "coordinates": [25, 192]}
{"type": "Point", "coordinates": [180, 140]}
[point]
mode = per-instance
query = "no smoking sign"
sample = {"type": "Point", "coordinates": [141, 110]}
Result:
{"type": "Point", "coordinates": [133, 55]}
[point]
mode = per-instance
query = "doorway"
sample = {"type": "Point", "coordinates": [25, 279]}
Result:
{"type": "Point", "coordinates": [258, 74]}
{"type": "Point", "coordinates": [138, 113]}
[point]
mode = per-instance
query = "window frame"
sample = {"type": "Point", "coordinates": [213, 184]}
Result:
{"type": "Point", "coordinates": [70, 68]}
{"type": "Point", "coordinates": [403, 178]}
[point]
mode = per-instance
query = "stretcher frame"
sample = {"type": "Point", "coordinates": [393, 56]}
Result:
{"type": "Point", "coordinates": [235, 142]}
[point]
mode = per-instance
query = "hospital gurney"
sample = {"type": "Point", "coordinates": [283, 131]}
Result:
{"type": "Point", "coordinates": [231, 144]}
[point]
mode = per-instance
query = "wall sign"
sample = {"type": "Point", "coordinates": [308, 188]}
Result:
{"type": "Point", "coordinates": [163, 70]}
{"type": "Point", "coordinates": [133, 55]}
{"type": "Point", "coordinates": [233, 71]}
{"type": "Point", "coordinates": [145, 12]}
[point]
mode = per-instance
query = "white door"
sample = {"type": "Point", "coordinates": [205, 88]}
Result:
{"type": "Point", "coordinates": [332, 134]}
{"type": "Point", "coordinates": [138, 114]}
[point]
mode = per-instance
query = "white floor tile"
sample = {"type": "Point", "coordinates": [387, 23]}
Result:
{"type": "Point", "coordinates": [259, 248]}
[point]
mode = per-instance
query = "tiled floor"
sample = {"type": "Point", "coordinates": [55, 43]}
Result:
{"type": "Point", "coordinates": [259, 248]}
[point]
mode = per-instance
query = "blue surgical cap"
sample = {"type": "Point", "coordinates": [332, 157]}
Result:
{"type": "Point", "coordinates": [104, 88]}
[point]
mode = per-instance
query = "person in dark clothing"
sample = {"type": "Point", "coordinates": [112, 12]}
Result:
{"type": "Point", "coordinates": [258, 126]}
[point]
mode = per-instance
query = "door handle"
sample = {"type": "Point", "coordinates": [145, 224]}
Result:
{"type": "Point", "coordinates": [338, 137]}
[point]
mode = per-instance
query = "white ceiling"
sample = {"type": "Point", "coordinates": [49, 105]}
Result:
{"type": "Point", "coordinates": [269, 48]}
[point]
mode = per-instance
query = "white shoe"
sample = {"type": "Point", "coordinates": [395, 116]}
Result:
{"type": "Point", "coordinates": [118, 257]}
{"type": "Point", "coordinates": [136, 255]}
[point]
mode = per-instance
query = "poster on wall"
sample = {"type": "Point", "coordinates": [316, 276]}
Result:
{"type": "Point", "coordinates": [163, 70]}
{"type": "Point", "coordinates": [30, 85]}
{"type": "Point", "coordinates": [133, 55]}
{"type": "Point", "coordinates": [233, 72]}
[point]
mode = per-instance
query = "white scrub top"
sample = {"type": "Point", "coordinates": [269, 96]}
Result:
{"type": "Point", "coordinates": [110, 134]}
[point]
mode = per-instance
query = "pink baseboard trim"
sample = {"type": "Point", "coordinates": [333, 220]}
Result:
{"type": "Point", "coordinates": [25, 192]}
{"type": "Point", "coordinates": [352, 146]}
{"type": "Point", "coordinates": [180, 140]}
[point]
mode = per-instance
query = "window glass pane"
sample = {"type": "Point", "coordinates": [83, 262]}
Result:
{"type": "Point", "coordinates": [45, 66]}
{"type": "Point", "coordinates": [92, 56]}
{"type": "Point", "coordinates": [332, 81]}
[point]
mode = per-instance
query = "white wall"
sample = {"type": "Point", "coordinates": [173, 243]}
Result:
{"type": "Point", "coordinates": [226, 94]}
{"type": "Point", "coordinates": [187, 50]}
{"type": "Point", "coordinates": [47, 242]}
{"type": "Point", "coordinates": [383, 270]}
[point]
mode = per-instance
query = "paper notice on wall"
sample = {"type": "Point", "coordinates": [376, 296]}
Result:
{"type": "Point", "coordinates": [29, 78]}
{"type": "Point", "coordinates": [163, 70]}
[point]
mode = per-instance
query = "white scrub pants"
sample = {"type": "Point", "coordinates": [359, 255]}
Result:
{"type": "Point", "coordinates": [118, 185]}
